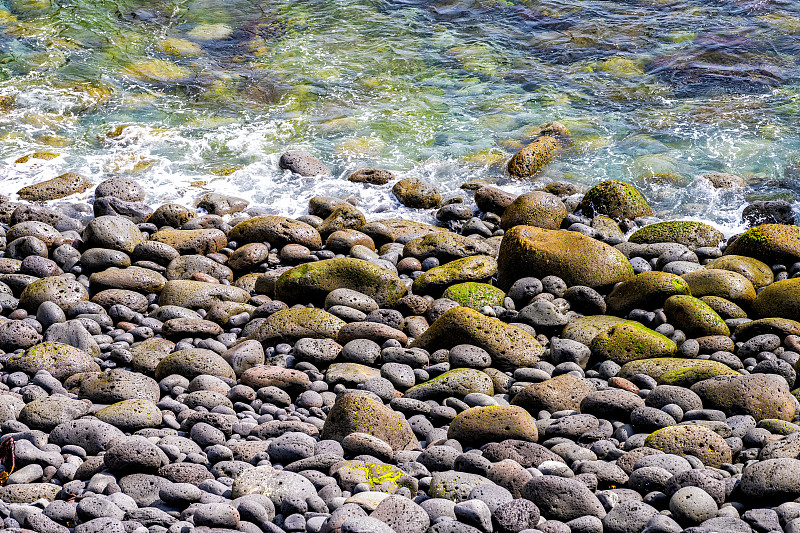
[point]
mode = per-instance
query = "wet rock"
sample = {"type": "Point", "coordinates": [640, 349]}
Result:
{"type": "Point", "coordinates": [768, 212]}
{"type": "Point", "coordinates": [303, 163]}
{"type": "Point", "coordinates": [615, 199]}
{"type": "Point", "coordinates": [759, 274]}
{"type": "Point", "coordinates": [688, 233]}
{"type": "Point", "coordinates": [123, 188]}
{"type": "Point", "coordinates": [445, 247]}
{"type": "Point", "coordinates": [770, 243]}
{"type": "Point", "coordinates": [192, 241]}
{"type": "Point", "coordinates": [373, 176]}
{"type": "Point", "coordinates": [115, 233]}
{"type": "Point", "coordinates": [221, 204]}
{"type": "Point", "coordinates": [694, 317]}
{"type": "Point", "coordinates": [416, 193]}
{"type": "Point", "coordinates": [58, 187]}
{"type": "Point", "coordinates": [535, 208]}
{"type": "Point", "coordinates": [648, 290]}
{"type": "Point", "coordinates": [533, 157]}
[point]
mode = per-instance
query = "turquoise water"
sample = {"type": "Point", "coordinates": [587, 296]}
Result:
{"type": "Point", "coordinates": [189, 96]}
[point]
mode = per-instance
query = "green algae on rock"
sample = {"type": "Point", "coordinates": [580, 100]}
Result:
{"type": "Point", "coordinates": [199, 294]}
{"type": "Point", "coordinates": [575, 258]}
{"type": "Point", "coordinates": [509, 346]}
{"type": "Point", "coordinates": [479, 425]}
{"type": "Point", "coordinates": [723, 283]}
{"type": "Point", "coordinates": [615, 199]}
{"type": "Point", "coordinates": [289, 325]}
{"type": "Point", "coordinates": [445, 246]}
{"type": "Point", "coordinates": [688, 233]}
{"type": "Point", "coordinates": [477, 268]}
{"type": "Point", "coordinates": [774, 325]}
{"type": "Point", "coordinates": [630, 341]}
{"type": "Point", "coordinates": [389, 230]}
{"type": "Point", "coordinates": [536, 208]}
{"type": "Point", "coordinates": [696, 441]}
{"type": "Point", "coordinates": [194, 362]}
{"type": "Point", "coordinates": [758, 272]}
{"type": "Point", "coordinates": [61, 360]}
{"type": "Point", "coordinates": [60, 291]}
{"type": "Point", "coordinates": [586, 328]}
{"type": "Point", "coordinates": [781, 299]}
{"type": "Point", "coordinates": [676, 371]}
{"type": "Point", "coordinates": [563, 392]}
{"type": "Point", "coordinates": [533, 157]}
{"type": "Point", "coordinates": [694, 317]}
{"type": "Point", "coordinates": [276, 230]}
{"type": "Point", "coordinates": [475, 295]}
{"type": "Point", "coordinates": [313, 281]}
{"type": "Point", "coordinates": [770, 243]}
{"type": "Point", "coordinates": [416, 193]}
{"type": "Point", "coordinates": [131, 415]}
{"type": "Point", "coordinates": [457, 382]}
{"type": "Point", "coordinates": [648, 290]}
{"type": "Point", "coordinates": [357, 413]}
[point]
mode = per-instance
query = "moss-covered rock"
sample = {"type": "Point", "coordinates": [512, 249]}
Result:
{"type": "Point", "coordinates": [113, 386]}
{"type": "Point", "coordinates": [194, 362]}
{"type": "Point", "coordinates": [278, 231]}
{"type": "Point", "coordinates": [586, 328]}
{"type": "Point", "coordinates": [615, 199]}
{"type": "Point", "coordinates": [478, 268]}
{"type": "Point", "coordinates": [136, 279]}
{"type": "Point", "coordinates": [509, 346]}
{"type": "Point", "coordinates": [694, 317]}
{"type": "Point", "coordinates": [58, 187]}
{"type": "Point", "coordinates": [131, 415]}
{"type": "Point", "coordinates": [686, 232]}
{"type": "Point", "coordinates": [60, 291]}
{"type": "Point", "coordinates": [350, 374]}
{"type": "Point", "coordinates": [675, 371]}
{"type": "Point", "coordinates": [536, 208]}
{"type": "Point", "coordinates": [775, 326]}
{"type": "Point", "coordinates": [759, 274]}
{"type": "Point", "coordinates": [770, 243]}
{"type": "Point", "coordinates": [199, 294]}
{"type": "Point", "coordinates": [457, 382]}
{"type": "Point", "coordinates": [474, 295]}
{"type": "Point", "coordinates": [343, 217]}
{"type": "Point", "coordinates": [533, 157]}
{"type": "Point", "coordinates": [357, 413]}
{"type": "Point", "coordinates": [724, 308]}
{"type": "Point", "coordinates": [631, 341]}
{"type": "Point", "coordinates": [290, 325]}
{"type": "Point", "coordinates": [445, 246]}
{"type": "Point", "coordinates": [781, 299]}
{"type": "Point", "coordinates": [560, 393]}
{"type": "Point", "coordinates": [648, 290]}
{"type": "Point", "coordinates": [479, 425]}
{"type": "Point", "coordinates": [723, 283]}
{"type": "Point", "coordinates": [577, 259]}
{"type": "Point", "coordinates": [416, 193]}
{"type": "Point", "coordinates": [389, 230]}
{"type": "Point", "coordinates": [758, 395]}
{"type": "Point", "coordinates": [696, 441]}
{"type": "Point", "coordinates": [192, 241]}
{"type": "Point", "coordinates": [61, 360]}
{"type": "Point", "coordinates": [311, 282]}
{"type": "Point", "coordinates": [380, 477]}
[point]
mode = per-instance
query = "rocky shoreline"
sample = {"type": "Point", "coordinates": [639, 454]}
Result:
{"type": "Point", "coordinates": [554, 362]}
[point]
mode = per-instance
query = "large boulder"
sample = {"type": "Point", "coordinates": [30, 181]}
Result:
{"type": "Point", "coordinates": [358, 413]}
{"type": "Point", "coordinates": [781, 299]}
{"type": "Point", "coordinates": [192, 241]}
{"type": "Point", "coordinates": [61, 360]}
{"type": "Point", "coordinates": [58, 187]}
{"type": "Point", "coordinates": [416, 193]}
{"type": "Point", "coordinates": [676, 371]}
{"type": "Point", "coordinates": [563, 392]}
{"type": "Point", "coordinates": [562, 498]}
{"type": "Point", "coordinates": [311, 282]}
{"type": "Point", "coordinates": [457, 382]}
{"type": "Point", "coordinates": [509, 346]}
{"type": "Point", "coordinates": [278, 231]}
{"type": "Point", "coordinates": [390, 230]}
{"type": "Point", "coordinates": [759, 273]}
{"type": "Point", "coordinates": [194, 362]}
{"type": "Point", "coordinates": [536, 208]}
{"type": "Point", "coordinates": [694, 317]}
{"type": "Point", "coordinates": [113, 233]}
{"type": "Point", "coordinates": [697, 441]}
{"type": "Point", "coordinates": [615, 199]}
{"type": "Point", "coordinates": [479, 425]}
{"type": "Point", "coordinates": [62, 292]}
{"type": "Point", "coordinates": [758, 395]}
{"type": "Point", "coordinates": [199, 294]}
{"type": "Point", "coordinates": [723, 283]}
{"type": "Point", "coordinates": [770, 243]}
{"type": "Point", "coordinates": [688, 233]}
{"type": "Point", "coordinates": [577, 259]}
{"type": "Point", "coordinates": [630, 341]}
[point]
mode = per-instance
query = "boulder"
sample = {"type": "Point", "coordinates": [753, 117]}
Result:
{"type": "Point", "coordinates": [533, 157]}
{"type": "Point", "coordinates": [675, 371]}
{"type": "Point", "coordinates": [630, 341]}
{"type": "Point", "coordinates": [278, 231]}
{"type": "Point", "coordinates": [723, 283]}
{"type": "Point", "coordinates": [697, 441]}
{"type": "Point", "coordinates": [781, 299]}
{"type": "Point", "coordinates": [58, 187]}
{"type": "Point", "coordinates": [445, 246]}
{"type": "Point", "coordinates": [691, 234]}
{"type": "Point", "coordinates": [615, 199]}
{"type": "Point", "coordinates": [62, 292]}
{"type": "Point", "coordinates": [770, 243]}
{"type": "Point", "coordinates": [192, 241]}
{"type": "Point", "coordinates": [563, 392]}
{"type": "Point", "coordinates": [759, 274]}
{"type": "Point", "coordinates": [478, 268]}
{"type": "Point", "coordinates": [357, 413]}
{"type": "Point", "coordinates": [416, 193]}
{"type": "Point", "coordinates": [536, 208]}
{"type": "Point", "coordinates": [474, 295]}
{"type": "Point", "coordinates": [114, 233]}
{"type": "Point", "coordinates": [293, 324]}
{"type": "Point", "coordinates": [199, 294]}
{"type": "Point", "coordinates": [694, 317]}
{"type": "Point", "coordinates": [480, 425]}
{"type": "Point", "coordinates": [457, 382]}
{"type": "Point", "coordinates": [648, 290]}
{"type": "Point", "coordinates": [761, 396]}
{"type": "Point", "coordinates": [61, 360]}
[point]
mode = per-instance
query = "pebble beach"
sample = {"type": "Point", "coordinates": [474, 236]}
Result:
{"type": "Point", "coordinates": [556, 361]}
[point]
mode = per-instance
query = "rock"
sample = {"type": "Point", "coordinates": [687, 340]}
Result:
{"type": "Point", "coordinates": [723, 283]}
{"type": "Point", "coordinates": [221, 204]}
{"type": "Point", "coordinates": [770, 243]}
{"type": "Point", "coordinates": [772, 480]}
{"type": "Point", "coordinates": [537, 208]}
{"type": "Point", "coordinates": [768, 212]}
{"type": "Point", "coordinates": [762, 396]}
{"type": "Point", "coordinates": [615, 199]}
{"type": "Point", "coordinates": [277, 231]}
{"type": "Point", "coordinates": [356, 413]}
{"type": "Point", "coordinates": [148, 353]}
{"type": "Point", "coordinates": [675, 371]}
{"type": "Point", "coordinates": [691, 234]}
{"type": "Point", "coordinates": [343, 217]}
{"type": "Point", "coordinates": [694, 317]}
{"type": "Point", "coordinates": [781, 299]}
{"type": "Point", "coordinates": [131, 415]}
{"type": "Point", "coordinates": [697, 441]}
{"type": "Point", "coordinates": [416, 193]}
{"type": "Point", "coordinates": [341, 241]}
{"type": "Point", "coordinates": [58, 187]}
{"type": "Point", "coordinates": [493, 200]}
{"type": "Point", "coordinates": [46, 413]}
{"type": "Point", "coordinates": [114, 385]}
{"type": "Point", "coordinates": [615, 404]}
{"type": "Point", "coordinates": [110, 206]}
{"type": "Point", "coordinates": [123, 188]}
{"type": "Point", "coordinates": [198, 294]}
{"type": "Point", "coordinates": [474, 295]}
{"type": "Point", "coordinates": [492, 424]}
{"type": "Point", "coordinates": [457, 382]}
{"type": "Point", "coordinates": [173, 215]}
{"type": "Point", "coordinates": [132, 278]}
{"type": "Point", "coordinates": [721, 180]}
{"type": "Point", "coordinates": [114, 233]}
{"type": "Point", "coordinates": [648, 290]}
{"type": "Point", "coordinates": [286, 379]}
{"type": "Point", "coordinates": [350, 374]}
{"type": "Point", "coordinates": [402, 515]}
{"type": "Point", "coordinates": [194, 362]}
{"type": "Point", "coordinates": [134, 455]}
{"type": "Point", "coordinates": [509, 347]}
{"type": "Point", "coordinates": [60, 291]}
{"type": "Point", "coordinates": [192, 241]}
{"type": "Point", "coordinates": [692, 505]}
{"type": "Point", "coordinates": [290, 325]}
{"type": "Point", "coordinates": [380, 477]}
{"type": "Point", "coordinates": [277, 485]}
{"type": "Point", "coordinates": [630, 341]}
{"type": "Point", "coordinates": [586, 328]}
{"type": "Point", "coordinates": [562, 498]}
{"type": "Point", "coordinates": [478, 268]}
{"type": "Point", "coordinates": [28, 492]}
{"type": "Point", "coordinates": [759, 274]}
{"type": "Point", "coordinates": [775, 326]}
{"type": "Point", "coordinates": [533, 157]}
{"type": "Point", "coordinates": [16, 334]}
{"type": "Point", "coordinates": [60, 360]}
{"type": "Point", "coordinates": [563, 392]}
{"type": "Point", "coordinates": [92, 435]}
{"type": "Point", "coordinates": [575, 258]}
{"type": "Point", "coordinates": [445, 247]}
{"type": "Point", "coordinates": [303, 163]}
{"type": "Point", "coordinates": [313, 281]}
{"type": "Point", "coordinates": [455, 486]}
{"type": "Point", "coordinates": [245, 355]}
{"type": "Point", "coordinates": [373, 176]}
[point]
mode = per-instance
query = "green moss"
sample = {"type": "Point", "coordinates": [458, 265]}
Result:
{"type": "Point", "coordinates": [615, 199]}
{"type": "Point", "coordinates": [475, 295]}
{"type": "Point", "coordinates": [689, 233]}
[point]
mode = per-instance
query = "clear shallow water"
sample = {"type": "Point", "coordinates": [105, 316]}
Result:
{"type": "Point", "coordinates": [209, 93]}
